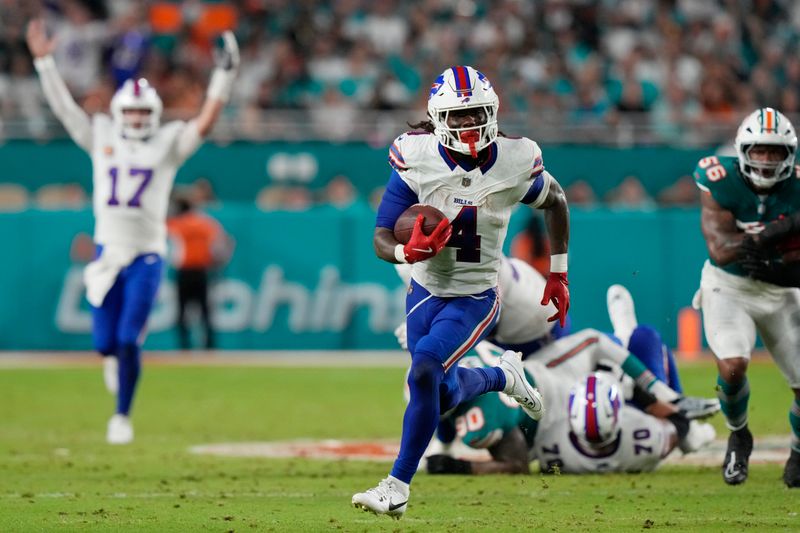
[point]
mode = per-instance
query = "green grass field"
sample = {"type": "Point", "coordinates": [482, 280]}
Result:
{"type": "Point", "coordinates": [56, 472]}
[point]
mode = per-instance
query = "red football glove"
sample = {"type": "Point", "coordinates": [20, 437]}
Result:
{"type": "Point", "coordinates": [420, 246]}
{"type": "Point", "coordinates": [556, 291]}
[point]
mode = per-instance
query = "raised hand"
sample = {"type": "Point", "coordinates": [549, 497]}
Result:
{"type": "Point", "coordinates": [38, 42]}
{"type": "Point", "coordinates": [227, 57]}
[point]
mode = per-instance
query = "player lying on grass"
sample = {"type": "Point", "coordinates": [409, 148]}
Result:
{"type": "Point", "coordinates": [555, 368]}
{"type": "Point", "coordinates": [524, 327]}
{"type": "Point", "coordinates": [588, 428]}
{"type": "Point", "coordinates": [134, 161]}
{"type": "Point", "coordinates": [751, 223]}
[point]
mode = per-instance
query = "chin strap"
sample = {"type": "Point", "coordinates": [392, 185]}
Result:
{"type": "Point", "coordinates": [470, 137]}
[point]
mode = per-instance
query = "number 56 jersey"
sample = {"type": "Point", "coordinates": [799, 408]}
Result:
{"type": "Point", "coordinates": [478, 201]}
{"type": "Point", "coordinates": [132, 181]}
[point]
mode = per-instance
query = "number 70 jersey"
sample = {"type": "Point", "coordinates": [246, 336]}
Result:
{"type": "Point", "coordinates": [643, 442]}
{"type": "Point", "coordinates": [131, 184]}
{"type": "Point", "coordinates": [478, 201]}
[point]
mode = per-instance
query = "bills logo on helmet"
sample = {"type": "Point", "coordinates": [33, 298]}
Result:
{"type": "Point", "coordinates": [457, 89]}
{"type": "Point", "coordinates": [437, 84]}
{"type": "Point", "coordinates": [484, 81]}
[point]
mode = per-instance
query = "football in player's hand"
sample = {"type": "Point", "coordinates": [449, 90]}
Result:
{"type": "Point", "coordinates": [405, 224]}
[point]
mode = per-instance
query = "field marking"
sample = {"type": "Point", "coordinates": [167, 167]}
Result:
{"type": "Point", "coordinates": [155, 495]}
{"type": "Point", "coordinates": [328, 449]}
{"type": "Point", "coordinates": [245, 358]}
{"type": "Point", "coordinates": [771, 449]}
{"type": "Point", "coordinates": [240, 358]}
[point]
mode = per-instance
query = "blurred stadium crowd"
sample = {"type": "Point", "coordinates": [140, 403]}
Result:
{"type": "Point", "coordinates": [618, 72]}
{"type": "Point", "coordinates": [677, 71]}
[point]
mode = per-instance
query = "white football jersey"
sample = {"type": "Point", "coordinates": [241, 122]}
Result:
{"type": "Point", "coordinates": [522, 317]}
{"type": "Point", "coordinates": [132, 181]}
{"type": "Point", "coordinates": [478, 202]}
{"type": "Point", "coordinates": [643, 442]}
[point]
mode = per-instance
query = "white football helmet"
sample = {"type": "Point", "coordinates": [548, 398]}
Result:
{"type": "Point", "coordinates": [766, 126]}
{"type": "Point", "coordinates": [594, 408]}
{"type": "Point", "coordinates": [136, 94]}
{"type": "Point", "coordinates": [457, 88]}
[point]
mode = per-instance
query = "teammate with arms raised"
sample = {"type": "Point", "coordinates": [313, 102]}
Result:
{"type": "Point", "coordinates": [134, 160]}
{"type": "Point", "coordinates": [750, 206]}
{"type": "Point", "coordinates": [464, 168]}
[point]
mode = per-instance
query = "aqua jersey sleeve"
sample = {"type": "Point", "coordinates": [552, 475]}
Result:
{"type": "Point", "coordinates": [718, 176]}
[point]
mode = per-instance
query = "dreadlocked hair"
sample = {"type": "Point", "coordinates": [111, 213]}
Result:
{"type": "Point", "coordinates": [425, 125]}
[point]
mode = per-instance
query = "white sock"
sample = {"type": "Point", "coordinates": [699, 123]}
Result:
{"type": "Point", "coordinates": [509, 381]}
{"type": "Point", "coordinates": [402, 485]}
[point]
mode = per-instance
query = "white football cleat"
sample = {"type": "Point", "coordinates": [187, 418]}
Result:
{"type": "Point", "coordinates": [390, 497]}
{"type": "Point", "coordinates": [517, 385]}
{"type": "Point", "coordinates": [621, 312]}
{"type": "Point", "coordinates": [120, 430]}
{"type": "Point", "coordinates": [700, 435]}
{"type": "Point", "coordinates": [111, 374]}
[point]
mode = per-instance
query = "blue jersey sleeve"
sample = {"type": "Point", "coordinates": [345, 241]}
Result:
{"type": "Point", "coordinates": [535, 190]}
{"type": "Point", "coordinates": [397, 197]}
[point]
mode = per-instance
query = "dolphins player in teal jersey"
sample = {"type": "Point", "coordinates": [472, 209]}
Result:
{"type": "Point", "coordinates": [750, 215]}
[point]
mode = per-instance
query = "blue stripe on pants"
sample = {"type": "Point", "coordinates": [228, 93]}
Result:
{"type": "Point", "coordinates": [118, 324]}
{"type": "Point", "coordinates": [439, 329]}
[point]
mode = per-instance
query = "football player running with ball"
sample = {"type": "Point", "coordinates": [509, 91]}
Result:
{"type": "Point", "coordinates": [134, 161]}
{"type": "Point", "coordinates": [750, 211]}
{"type": "Point", "coordinates": [461, 165]}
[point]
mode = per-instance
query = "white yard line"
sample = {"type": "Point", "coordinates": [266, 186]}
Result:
{"type": "Point", "coordinates": [771, 449]}
{"type": "Point", "coordinates": [172, 495]}
{"type": "Point", "coordinates": [277, 358]}
{"type": "Point", "coordinates": [268, 358]}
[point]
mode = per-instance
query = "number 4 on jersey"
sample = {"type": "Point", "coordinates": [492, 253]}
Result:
{"type": "Point", "coordinates": [465, 235]}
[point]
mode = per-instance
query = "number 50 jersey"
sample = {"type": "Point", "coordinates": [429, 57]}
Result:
{"type": "Point", "coordinates": [132, 181]}
{"type": "Point", "coordinates": [478, 201]}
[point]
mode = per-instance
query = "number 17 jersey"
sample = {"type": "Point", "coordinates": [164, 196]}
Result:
{"type": "Point", "coordinates": [132, 181]}
{"type": "Point", "coordinates": [478, 201]}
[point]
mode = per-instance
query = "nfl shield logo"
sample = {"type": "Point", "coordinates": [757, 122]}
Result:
{"type": "Point", "coordinates": [466, 182]}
